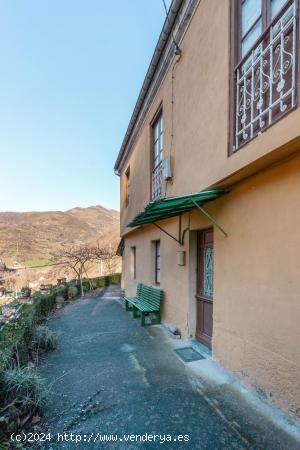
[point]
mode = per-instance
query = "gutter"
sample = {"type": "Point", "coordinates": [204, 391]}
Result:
{"type": "Point", "coordinates": [160, 46]}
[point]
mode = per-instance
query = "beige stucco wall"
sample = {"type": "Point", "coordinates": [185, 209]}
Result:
{"type": "Point", "coordinates": [256, 318]}
{"type": "Point", "coordinates": [200, 117]}
{"type": "Point", "coordinates": [257, 285]}
{"type": "Point", "coordinates": [174, 278]}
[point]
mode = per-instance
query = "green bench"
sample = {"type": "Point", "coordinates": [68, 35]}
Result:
{"type": "Point", "coordinates": [146, 301]}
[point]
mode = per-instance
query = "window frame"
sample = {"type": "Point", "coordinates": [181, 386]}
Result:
{"type": "Point", "coordinates": [156, 118]}
{"type": "Point", "coordinates": [236, 58]}
{"type": "Point", "coordinates": [132, 262]}
{"type": "Point", "coordinates": [266, 7]}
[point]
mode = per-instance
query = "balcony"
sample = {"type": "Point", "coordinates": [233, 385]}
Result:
{"type": "Point", "coordinates": [265, 80]}
{"type": "Point", "coordinates": [157, 182]}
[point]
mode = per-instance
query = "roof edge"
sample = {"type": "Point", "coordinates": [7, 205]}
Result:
{"type": "Point", "coordinates": [158, 51]}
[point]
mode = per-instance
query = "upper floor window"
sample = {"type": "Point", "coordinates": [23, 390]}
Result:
{"type": "Point", "coordinates": [256, 15]}
{"type": "Point", "coordinates": [158, 139]}
{"type": "Point", "coordinates": [265, 54]}
{"type": "Point", "coordinates": [127, 180]}
{"type": "Point", "coordinates": [157, 154]}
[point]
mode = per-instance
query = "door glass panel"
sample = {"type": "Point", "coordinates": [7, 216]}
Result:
{"type": "Point", "coordinates": [251, 37]}
{"type": "Point", "coordinates": [251, 10]}
{"type": "Point", "coordinates": [276, 6]}
{"type": "Point", "coordinates": [208, 272]}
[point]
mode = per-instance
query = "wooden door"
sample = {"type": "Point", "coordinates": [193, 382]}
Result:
{"type": "Point", "coordinates": [204, 292]}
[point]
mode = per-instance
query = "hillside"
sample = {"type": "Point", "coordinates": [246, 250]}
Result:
{"type": "Point", "coordinates": [32, 237]}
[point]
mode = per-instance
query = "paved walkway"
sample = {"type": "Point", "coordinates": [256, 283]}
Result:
{"type": "Point", "coordinates": [111, 376]}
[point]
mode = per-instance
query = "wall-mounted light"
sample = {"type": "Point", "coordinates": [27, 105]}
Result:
{"type": "Point", "coordinates": [181, 258]}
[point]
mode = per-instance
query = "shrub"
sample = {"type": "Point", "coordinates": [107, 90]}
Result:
{"type": "Point", "coordinates": [5, 444]}
{"type": "Point", "coordinates": [100, 282]}
{"type": "Point", "coordinates": [60, 301]}
{"type": "Point", "coordinates": [25, 385]}
{"type": "Point", "coordinates": [43, 305]}
{"type": "Point", "coordinates": [44, 338]}
{"type": "Point", "coordinates": [115, 278]}
{"type": "Point", "coordinates": [89, 284]}
{"type": "Point", "coordinates": [72, 291]}
{"type": "Point", "coordinates": [61, 290]}
{"type": "Point", "coordinates": [5, 359]}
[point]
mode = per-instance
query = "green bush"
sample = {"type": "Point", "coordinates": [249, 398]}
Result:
{"type": "Point", "coordinates": [72, 291]}
{"type": "Point", "coordinates": [5, 359]}
{"type": "Point", "coordinates": [61, 289]}
{"type": "Point", "coordinates": [5, 444]}
{"type": "Point", "coordinates": [89, 284]}
{"type": "Point", "coordinates": [60, 300]}
{"type": "Point", "coordinates": [99, 282]}
{"type": "Point", "coordinates": [43, 305]}
{"type": "Point", "coordinates": [115, 278]}
{"type": "Point", "coordinates": [44, 338]}
{"type": "Point", "coordinates": [25, 385]}
{"type": "Point", "coordinates": [16, 335]}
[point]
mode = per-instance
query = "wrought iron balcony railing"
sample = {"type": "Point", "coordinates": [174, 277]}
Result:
{"type": "Point", "coordinates": [157, 182]}
{"type": "Point", "coordinates": [265, 80]}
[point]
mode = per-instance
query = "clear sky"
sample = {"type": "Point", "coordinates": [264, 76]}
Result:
{"type": "Point", "coordinates": [70, 74]}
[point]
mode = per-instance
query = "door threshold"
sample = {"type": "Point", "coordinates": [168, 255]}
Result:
{"type": "Point", "coordinates": [201, 348]}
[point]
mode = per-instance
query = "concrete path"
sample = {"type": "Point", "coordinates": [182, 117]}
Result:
{"type": "Point", "coordinates": [110, 376]}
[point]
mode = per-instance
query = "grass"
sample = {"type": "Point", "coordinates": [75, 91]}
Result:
{"type": "Point", "coordinates": [25, 385]}
{"type": "Point", "coordinates": [35, 262]}
{"type": "Point", "coordinates": [44, 338]}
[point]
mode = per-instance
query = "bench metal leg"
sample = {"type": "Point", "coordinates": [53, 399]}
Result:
{"type": "Point", "coordinates": [128, 306]}
{"type": "Point", "coordinates": [142, 319]}
{"type": "Point", "coordinates": [134, 312]}
{"type": "Point", "coordinates": [158, 317]}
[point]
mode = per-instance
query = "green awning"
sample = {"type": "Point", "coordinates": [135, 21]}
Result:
{"type": "Point", "coordinates": [174, 206]}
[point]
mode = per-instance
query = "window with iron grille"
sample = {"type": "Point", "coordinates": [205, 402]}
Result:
{"type": "Point", "coordinates": [265, 43]}
{"type": "Point", "coordinates": [157, 152]}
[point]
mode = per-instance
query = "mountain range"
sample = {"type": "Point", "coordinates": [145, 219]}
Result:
{"type": "Point", "coordinates": [32, 237]}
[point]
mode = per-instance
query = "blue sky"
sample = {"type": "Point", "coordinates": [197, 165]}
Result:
{"type": "Point", "coordinates": [70, 74]}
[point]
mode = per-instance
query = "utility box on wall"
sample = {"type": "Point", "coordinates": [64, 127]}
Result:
{"type": "Point", "coordinates": [181, 258]}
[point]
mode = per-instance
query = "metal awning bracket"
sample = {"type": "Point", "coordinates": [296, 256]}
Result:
{"type": "Point", "coordinates": [169, 234]}
{"type": "Point", "coordinates": [210, 218]}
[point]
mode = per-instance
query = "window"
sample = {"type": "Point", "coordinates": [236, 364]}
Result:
{"type": "Point", "coordinates": [251, 23]}
{"type": "Point", "coordinates": [255, 17]}
{"type": "Point", "coordinates": [157, 155]}
{"type": "Point", "coordinates": [158, 134]}
{"type": "Point", "coordinates": [127, 179]}
{"type": "Point", "coordinates": [157, 261]}
{"type": "Point", "coordinates": [264, 60]}
{"type": "Point", "coordinates": [133, 262]}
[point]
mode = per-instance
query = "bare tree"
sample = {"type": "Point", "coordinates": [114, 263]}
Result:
{"type": "Point", "coordinates": [76, 258]}
{"type": "Point", "coordinates": [107, 256]}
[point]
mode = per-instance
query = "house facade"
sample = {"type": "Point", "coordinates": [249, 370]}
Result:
{"type": "Point", "coordinates": [210, 180]}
